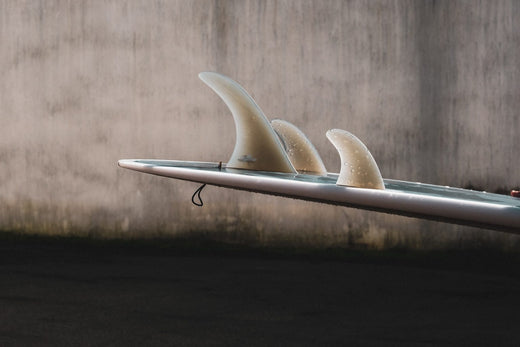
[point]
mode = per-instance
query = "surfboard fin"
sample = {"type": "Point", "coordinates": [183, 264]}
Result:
{"type": "Point", "coordinates": [302, 154]}
{"type": "Point", "coordinates": [257, 146]}
{"type": "Point", "coordinates": [358, 167]}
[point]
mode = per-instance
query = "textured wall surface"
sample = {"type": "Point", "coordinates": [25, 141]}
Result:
{"type": "Point", "coordinates": [432, 88]}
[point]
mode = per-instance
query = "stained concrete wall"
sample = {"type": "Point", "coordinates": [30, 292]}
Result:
{"type": "Point", "coordinates": [432, 87]}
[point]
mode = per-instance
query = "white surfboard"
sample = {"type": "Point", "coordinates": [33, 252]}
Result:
{"type": "Point", "coordinates": [277, 159]}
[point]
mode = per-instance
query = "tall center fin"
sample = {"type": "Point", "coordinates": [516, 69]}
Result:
{"type": "Point", "coordinates": [358, 167]}
{"type": "Point", "coordinates": [257, 146]}
{"type": "Point", "coordinates": [302, 154]}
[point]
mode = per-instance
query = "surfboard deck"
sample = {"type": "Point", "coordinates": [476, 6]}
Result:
{"type": "Point", "coordinates": [427, 201]}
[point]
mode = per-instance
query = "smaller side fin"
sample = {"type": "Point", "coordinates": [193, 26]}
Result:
{"type": "Point", "coordinates": [302, 154]}
{"type": "Point", "coordinates": [358, 167]}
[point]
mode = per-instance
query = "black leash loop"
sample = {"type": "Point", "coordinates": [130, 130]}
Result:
{"type": "Point", "coordinates": [197, 192]}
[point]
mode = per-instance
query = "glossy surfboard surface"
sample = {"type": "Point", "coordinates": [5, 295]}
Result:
{"type": "Point", "coordinates": [455, 205]}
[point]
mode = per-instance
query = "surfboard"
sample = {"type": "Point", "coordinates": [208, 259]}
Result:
{"type": "Point", "coordinates": [432, 202]}
{"type": "Point", "coordinates": [276, 158]}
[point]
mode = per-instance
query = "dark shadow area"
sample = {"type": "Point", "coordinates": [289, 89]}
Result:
{"type": "Point", "coordinates": [84, 291]}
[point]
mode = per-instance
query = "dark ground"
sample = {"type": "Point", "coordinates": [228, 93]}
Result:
{"type": "Point", "coordinates": [127, 293]}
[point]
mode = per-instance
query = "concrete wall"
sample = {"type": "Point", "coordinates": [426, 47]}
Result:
{"type": "Point", "coordinates": [432, 87]}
